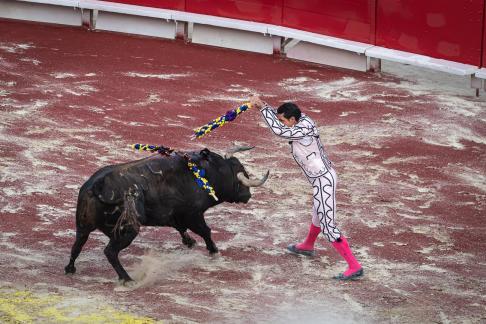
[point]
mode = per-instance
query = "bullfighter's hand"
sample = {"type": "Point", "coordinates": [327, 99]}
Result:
{"type": "Point", "coordinates": [256, 102]}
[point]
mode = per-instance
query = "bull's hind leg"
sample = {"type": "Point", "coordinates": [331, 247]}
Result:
{"type": "Point", "coordinates": [116, 244]}
{"type": "Point", "coordinates": [125, 230]}
{"type": "Point", "coordinates": [199, 226]}
{"type": "Point", "coordinates": [81, 238]}
{"type": "Point", "coordinates": [85, 224]}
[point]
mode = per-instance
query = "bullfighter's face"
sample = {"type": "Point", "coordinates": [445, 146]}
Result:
{"type": "Point", "coordinates": [289, 122]}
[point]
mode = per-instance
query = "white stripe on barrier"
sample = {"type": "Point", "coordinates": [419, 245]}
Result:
{"type": "Point", "coordinates": [421, 60]}
{"type": "Point", "coordinates": [220, 22]}
{"type": "Point", "coordinates": [65, 3]}
{"type": "Point", "coordinates": [319, 39]}
{"type": "Point", "coordinates": [127, 9]}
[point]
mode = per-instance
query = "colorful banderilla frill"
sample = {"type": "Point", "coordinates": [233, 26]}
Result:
{"type": "Point", "coordinates": [220, 121]}
{"type": "Point", "coordinates": [201, 181]}
{"type": "Point", "coordinates": [164, 150]}
{"type": "Point", "coordinates": [200, 174]}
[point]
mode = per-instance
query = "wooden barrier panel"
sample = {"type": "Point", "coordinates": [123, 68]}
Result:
{"type": "Point", "coordinates": [450, 30]}
{"type": "Point", "coordinates": [448, 36]}
{"type": "Point", "coordinates": [348, 19]}
{"type": "Point", "coordinates": [265, 11]}
{"type": "Point", "coordinates": [165, 4]}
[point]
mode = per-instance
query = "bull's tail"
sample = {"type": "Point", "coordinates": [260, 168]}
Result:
{"type": "Point", "coordinates": [130, 217]}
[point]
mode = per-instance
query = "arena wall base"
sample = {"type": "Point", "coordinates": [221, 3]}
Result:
{"type": "Point", "coordinates": [305, 51]}
{"type": "Point", "coordinates": [374, 64]}
{"type": "Point", "coordinates": [477, 83]}
{"type": "Point", "coordinates": [41, 12]}
{"type": "Point", "coordinates": [231, 38]}
{"type": "Point", "coordinates": [138, 25]}
{"type": "Point", "coordinates": [481, 73]}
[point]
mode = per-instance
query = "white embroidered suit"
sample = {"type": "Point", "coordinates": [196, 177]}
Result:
{"type": "Point", "coordinates": [308, 152]}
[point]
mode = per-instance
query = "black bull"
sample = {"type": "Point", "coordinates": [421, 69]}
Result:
{"type": "Point", "coordinates": [156, 191]}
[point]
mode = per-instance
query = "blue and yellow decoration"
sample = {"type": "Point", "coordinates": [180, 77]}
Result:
{"type": "Point", "coordinates": [201, 181]}
{"type": "Point", "coordinates": [220, 121]}
{"type": "Point", "coordinates": [164, 150]}
{"type": "Point", "coordinates": [199, 173]}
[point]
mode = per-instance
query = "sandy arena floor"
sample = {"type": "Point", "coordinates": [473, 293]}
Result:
{"type": "Point", "coordinates": [410, 153]}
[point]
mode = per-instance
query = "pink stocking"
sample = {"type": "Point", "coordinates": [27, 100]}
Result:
{"type": "Point", "coordinates": [343, 248]}
{"type": "Point", "coordinates": [309, 241]}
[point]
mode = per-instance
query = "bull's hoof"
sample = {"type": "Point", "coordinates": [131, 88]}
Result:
{"type": "Point", "coordinates": [188, 241]}
{"type": "Point", "coordinates": [213, 251]}
{"type": "Point", "coordinates": [69, 269]}
{"type": "Point", "coordinates": [127, 282]}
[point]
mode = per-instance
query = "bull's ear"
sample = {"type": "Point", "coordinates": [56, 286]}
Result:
{"type": "Point", "coordinates": [205, 152]}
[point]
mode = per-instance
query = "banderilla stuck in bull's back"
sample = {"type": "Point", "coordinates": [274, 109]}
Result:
{"type": "Point", "coordinates": [160, 190]}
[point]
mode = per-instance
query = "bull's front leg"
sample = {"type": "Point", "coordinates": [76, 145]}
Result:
{"type": "Point", "coordinates": [199, 226]}
{"type": "Point", "coordinates": [187, 240]}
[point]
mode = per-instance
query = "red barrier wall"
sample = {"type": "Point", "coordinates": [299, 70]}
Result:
{"type": "Point", "coordinates": [165, 4]}
{"type": "Point", "coordinates": [350, 19]}
{"type": "Point", "coordinates": [265, 11]}
{"type": "Point", "coordinates": [448, 29]}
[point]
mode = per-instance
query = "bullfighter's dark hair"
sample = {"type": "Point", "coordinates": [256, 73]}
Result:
{"type": "Point", "coordinates": [289, 109]}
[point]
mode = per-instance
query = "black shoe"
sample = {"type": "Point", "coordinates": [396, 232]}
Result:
{"type": "Point", "coordinates": [354, 276]}
{"type": "Point", "coordinates": [294, 249]}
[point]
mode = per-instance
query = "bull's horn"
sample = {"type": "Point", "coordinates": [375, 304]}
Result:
{"type": "Point", "coordinates": [229, 153]}
{"type": "Point", "coordinates": [252, 182]}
